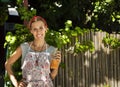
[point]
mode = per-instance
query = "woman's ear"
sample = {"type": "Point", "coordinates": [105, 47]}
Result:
{"type": "Point", "coordinates": [46, 30]}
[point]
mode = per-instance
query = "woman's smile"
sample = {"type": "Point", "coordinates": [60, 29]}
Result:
{"type": "Point", "coordinates": [39, 35]}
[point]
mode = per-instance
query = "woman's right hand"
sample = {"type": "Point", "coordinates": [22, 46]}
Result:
{"type": "Point", "coordinates": [22, 84]}
{"type": "Point", "coordinates": [56, 59]}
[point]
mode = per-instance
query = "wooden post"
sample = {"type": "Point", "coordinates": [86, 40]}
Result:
{"type": "Point", "coordinates": [25, 2]}
{"type": "Point", "coordinates": [2, 56]}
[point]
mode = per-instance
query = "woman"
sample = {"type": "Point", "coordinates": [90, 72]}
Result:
{"type": "Point", "coordinates": [38, 70]}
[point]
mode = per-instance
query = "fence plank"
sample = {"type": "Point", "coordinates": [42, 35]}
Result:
{"type": "Point", "coordinates": [97, 69]}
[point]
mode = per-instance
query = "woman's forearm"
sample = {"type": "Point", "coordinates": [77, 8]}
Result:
{"type": "Point", "coordinates": [54, 73]}
{"type": "Point", "coordinates": [14, 81]}
{"type": "Point", "coordinates": [11, 75]}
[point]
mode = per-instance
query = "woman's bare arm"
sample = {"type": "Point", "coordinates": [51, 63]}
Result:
{"type": "Point", "coordinates": [9, 62]}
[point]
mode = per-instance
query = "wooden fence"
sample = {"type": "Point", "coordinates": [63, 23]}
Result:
{"type": "Point", "coordinates": [98, 69]}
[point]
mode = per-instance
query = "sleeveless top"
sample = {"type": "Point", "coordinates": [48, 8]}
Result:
{"type": "Point", "coordinates": [36, 66]}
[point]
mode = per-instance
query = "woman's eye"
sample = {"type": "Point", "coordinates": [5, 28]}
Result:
{"type": "Point", "coordinates": [34, 29]}
{"type": "Point", "coordinates": [38, 29]}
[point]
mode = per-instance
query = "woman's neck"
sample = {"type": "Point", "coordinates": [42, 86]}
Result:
{"type": "Point", "coordinates": [38, 43]}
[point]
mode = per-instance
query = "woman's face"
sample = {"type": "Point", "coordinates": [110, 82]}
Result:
{"type": "Point", "coordinates": [38, 30]}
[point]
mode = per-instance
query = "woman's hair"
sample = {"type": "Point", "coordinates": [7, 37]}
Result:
{"type": "Point", "coordinates": [37, 18]}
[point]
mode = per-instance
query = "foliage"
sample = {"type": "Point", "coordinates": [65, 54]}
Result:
{"type": "Point", "coordinates": [3, 13]}
{"type": "Point", "coordinates": [111, 42]}
{"type": "Point", "coordinates": [106, 14]}
{"type": "Point", "coordinates": [20, 35]}
{"type": "Point", "coordinates": [107, 85]}
{"type": "Point", "coordinates": [103, 14]}
{"type": "Point", "coordinates": [65, 36]}
{"type": "Point", "coordinates": [24, 12]}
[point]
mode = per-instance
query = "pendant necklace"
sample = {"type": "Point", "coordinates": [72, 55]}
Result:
{"type": "Point", "coordinates": [37, 56]}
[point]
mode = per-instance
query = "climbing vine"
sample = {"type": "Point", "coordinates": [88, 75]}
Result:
{"type": "Point", "coordinates": [110, 41]}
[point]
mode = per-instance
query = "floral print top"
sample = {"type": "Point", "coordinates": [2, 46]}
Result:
{"type": "Point", "coordinates": [36, 66]}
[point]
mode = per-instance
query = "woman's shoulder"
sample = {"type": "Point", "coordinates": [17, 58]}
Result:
{"type": "Point", "coordinates": [51, 48]}
{"type": "Point", "coordinates": [26, 43]}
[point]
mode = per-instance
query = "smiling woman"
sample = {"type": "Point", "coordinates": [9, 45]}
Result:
{"type": "Point", "coordinates": [36, 58]}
